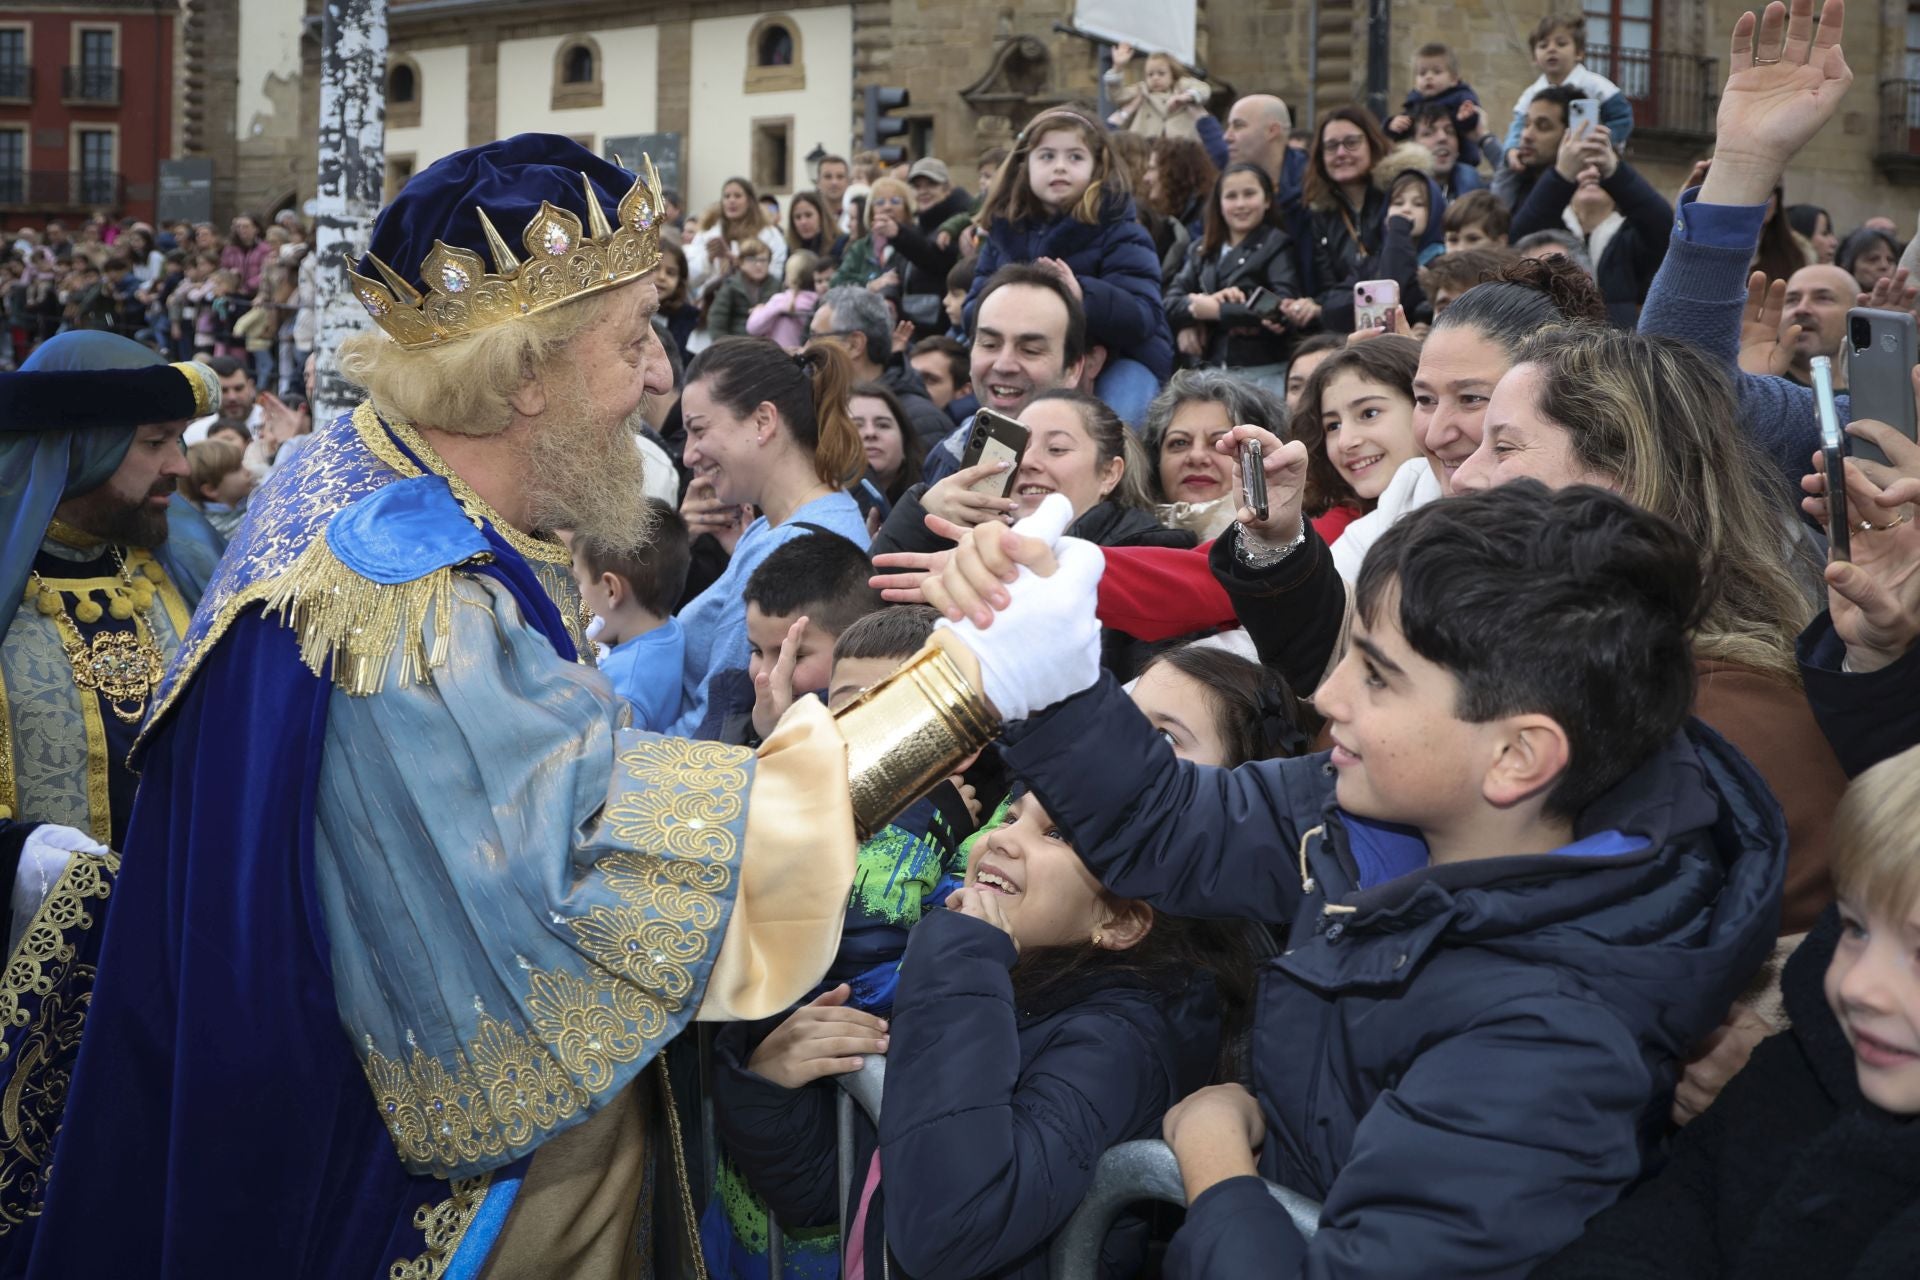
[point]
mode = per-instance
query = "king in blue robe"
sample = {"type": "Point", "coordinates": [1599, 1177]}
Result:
{"type": "Point", "coordinates": [405, 910]}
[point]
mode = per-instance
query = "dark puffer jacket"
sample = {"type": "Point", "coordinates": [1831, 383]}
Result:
{"type": "Point", "coordinates": [1464, 1062]}
{"type": "Point", "coordinates": [993, 1115]}
{"type": "Point", "coordinates": [1792, 1174]}
{"type": "Point", "coordinates": [1118, 269]}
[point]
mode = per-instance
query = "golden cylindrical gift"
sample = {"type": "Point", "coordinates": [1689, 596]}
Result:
{"type": "Point", "coordinates": [909, 732]}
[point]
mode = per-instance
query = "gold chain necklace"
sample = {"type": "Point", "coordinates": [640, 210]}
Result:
{"type": "Point", "coordinates": [121, 666]}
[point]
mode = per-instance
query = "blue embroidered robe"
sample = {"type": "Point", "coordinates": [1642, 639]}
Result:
{"type": "Point", "coordinates": [448, 910]}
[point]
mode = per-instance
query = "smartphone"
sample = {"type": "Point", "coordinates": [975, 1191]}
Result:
{"type": "Point", "coordinates": [995, 438]}
{"type": "Point", "coordinates": [1833, 448]}
{"type": "Point", "coordinates": [1373, 303]}
{"type": "Point", "coordinates": [1263, 303]}
{"type": "Point", "coordinates": [1582, 111]}
{"type": "Point", "coordinates": [1880, 359]}
{"type": "Point", "coordinates": [1253, 480]}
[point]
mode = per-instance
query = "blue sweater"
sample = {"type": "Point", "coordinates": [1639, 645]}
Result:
{"type": "Point", "coordinates": [716, 620]}
{"type": "Point", "coordinates": [1699, 296]}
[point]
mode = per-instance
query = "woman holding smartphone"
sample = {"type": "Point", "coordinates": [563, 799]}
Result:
{"type": "Point", "coordinates": [1224, 305]}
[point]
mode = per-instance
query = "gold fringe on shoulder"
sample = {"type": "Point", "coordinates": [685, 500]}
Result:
{"type": "Point", "coordinates": [362, 625]}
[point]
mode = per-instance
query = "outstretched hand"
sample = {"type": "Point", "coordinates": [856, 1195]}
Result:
{"type": "Point", "coordinates": [1037, 642]}
{"type": "Point", "coordinates": [1786, 81]}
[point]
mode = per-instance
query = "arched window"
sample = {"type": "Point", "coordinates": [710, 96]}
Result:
{"type": "Point", "coordinates": [403, 94]}
{"type": "Point", "coordinates": [579, 65]}
{"type": "Point", "coordinates": [578, 71]}
{"type": "Point", "coordinates": [776, 58]}
{"type": "Point", "coordinates": [775, 48]}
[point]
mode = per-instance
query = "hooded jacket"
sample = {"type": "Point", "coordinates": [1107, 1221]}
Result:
{"type": "Point", "coordinates": [1463, 1062]}
{"type": "Point", "coordinates": [1118, 269]}
{"type": "Point", "coordinates": [993, 1115]}
{"type": "Point", "coordinates": [1791, 1173]}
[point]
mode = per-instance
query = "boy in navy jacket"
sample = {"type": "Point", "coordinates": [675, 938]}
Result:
{"type": "Point", "coordinates": [1519, 889]}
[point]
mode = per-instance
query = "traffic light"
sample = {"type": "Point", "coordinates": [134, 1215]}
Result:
{"type": "Point", "coordinates": [878, 126]}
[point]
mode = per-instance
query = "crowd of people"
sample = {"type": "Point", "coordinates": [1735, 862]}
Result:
{"type": "Point", "coordinates": [1494, 821]}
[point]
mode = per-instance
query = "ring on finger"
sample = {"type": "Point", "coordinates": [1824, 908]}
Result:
{"type": "Point", "coordinates": [1867, 526]}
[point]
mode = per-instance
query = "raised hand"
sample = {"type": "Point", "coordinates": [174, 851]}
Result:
{"type": "Point", "coordinates": [1786, 82]}
{"type": "Point", "coordinates": [954, 500]}
{"type": "Point", "coordinates": [1285, 466]}
{"type": "Point", "coordinates": [1764, 349]}
{"type": "Point", "coordinates": [819, 1039]}
{"type": "Point", "coordinates": [773, 687]}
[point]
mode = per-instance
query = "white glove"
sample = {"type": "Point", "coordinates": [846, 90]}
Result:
{"type": "Point", "coordinates": [1044, 647]}
{"type": "Point", "coordinates": [43, 860]}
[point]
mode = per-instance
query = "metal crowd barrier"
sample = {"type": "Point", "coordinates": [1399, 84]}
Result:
{"type": "Point", "coordinates": [1127, 1174]}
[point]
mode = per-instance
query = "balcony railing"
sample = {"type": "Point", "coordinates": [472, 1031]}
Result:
{"type": "Point", "coordinates": [1675, 94]}
{"type": "Point", "coordinates": [58, 189]}
{"type": "Point", "coordinates": [97, 85]}
{"type": "Point", "coordinates": [1899, 144]}
{"type": "Point", "coordinates": [16, 83]}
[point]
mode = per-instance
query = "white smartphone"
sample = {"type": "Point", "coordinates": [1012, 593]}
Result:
{"type": "Point", "coordinates": [1583, 115]}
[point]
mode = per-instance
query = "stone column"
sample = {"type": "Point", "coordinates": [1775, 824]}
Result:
{"type": "Point", "coordinates": [353, 65]}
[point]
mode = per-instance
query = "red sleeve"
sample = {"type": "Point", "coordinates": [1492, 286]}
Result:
{"type": "Point", "coordinates": [1157, 593]}
{"type": "Point", "coordinates": [1334, 523]}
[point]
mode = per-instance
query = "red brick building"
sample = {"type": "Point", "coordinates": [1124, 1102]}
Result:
{"type": "Point", "coordinates": [86, 107]}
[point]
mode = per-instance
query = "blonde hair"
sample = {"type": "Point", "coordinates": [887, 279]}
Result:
{"type": "Point", "coordinates": [1876, 837]}
{"type": "Point", "coordinates": [466, 385]}
{"type": "Point", "coordinates": [801, 264]}
{"type": "Point", "coordinates": [1662, 420]}
{"type": "Point", "coordinates": [892, 187]}
{"type": "Point", "coordinates": [208, 463]}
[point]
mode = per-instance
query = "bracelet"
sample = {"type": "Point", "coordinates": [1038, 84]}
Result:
{"type": "Point", "coordinates": [1256, 552]}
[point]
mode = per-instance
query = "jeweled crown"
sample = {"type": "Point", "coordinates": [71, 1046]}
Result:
{"type": "Point", "coordinates": [565, 262]}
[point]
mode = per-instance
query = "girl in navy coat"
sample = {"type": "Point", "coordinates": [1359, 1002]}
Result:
{"type": "Point", "coordinates": [1061, 201]}
{"type": "Point", "coordinates": [1038, 1021]}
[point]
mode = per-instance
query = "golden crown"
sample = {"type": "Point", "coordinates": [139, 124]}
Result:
{"type": "Point", "coordinates": [562, 265]}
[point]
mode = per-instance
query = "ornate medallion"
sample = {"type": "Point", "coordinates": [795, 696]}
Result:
{"type": "Point", "coordinates": [122, 667]}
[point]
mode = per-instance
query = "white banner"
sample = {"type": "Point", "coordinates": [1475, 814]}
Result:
{"type": "Point", "coordinates": [1149, 25]}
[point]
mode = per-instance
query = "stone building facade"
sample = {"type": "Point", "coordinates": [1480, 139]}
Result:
{"type": "Point", "coordinates": [977, 69]}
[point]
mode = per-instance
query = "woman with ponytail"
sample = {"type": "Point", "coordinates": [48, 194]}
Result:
{"type": "Point", "coordinates": [771, 431]}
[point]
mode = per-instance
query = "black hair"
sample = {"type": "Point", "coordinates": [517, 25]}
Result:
{"type": "Point", "coordinates": [1860, 242]}
{"type": "Point", "coordinates": [910, 451]}
{"type": "Point", "coordinates": [1216, 232]}
{"type": "Point", "coordinates": [1039, 278]}
{"type": "Point", "coordinates": [1551, 603]}
{"type": "Point", "coordinates": [808, 389]}
{"type": "Point", "coordinates": [1530, 295]}
{"type": "Point", "coordinates": [1256, 714]}
{"type": "Point", "coordinates": [656, 571]}
{"type": "Point", "coordinates": [959, 365]}
{"type": "Point", "coordinates": [1437, 113]}
{"type": "Point", "coordinates": [1561, 95]}
{"type": "Point", "coordinates": [227, 366]}
{"type": "Point", "coordinates": [822, 575]}
{"type": "Point", "coordinates": [898, 631]}
{"type": "Point", "coordinates": [1805, 218]}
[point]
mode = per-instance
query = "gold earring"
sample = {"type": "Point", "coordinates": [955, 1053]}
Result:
{"type": "Point", "coordinates": [1098, 937]}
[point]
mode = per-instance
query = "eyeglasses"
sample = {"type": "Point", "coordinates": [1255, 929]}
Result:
{"type": "Point", "coordinates": [1356, 142]}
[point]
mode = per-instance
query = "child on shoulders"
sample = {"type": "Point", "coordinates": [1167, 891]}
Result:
{"type": "Point", "coordinates": [1061, 201]}
{"type": "Point", "coordinates": [1559, 43]}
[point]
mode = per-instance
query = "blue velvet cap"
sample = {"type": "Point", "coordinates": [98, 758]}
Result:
{"type": "Point", "coordinates": [509, 179]}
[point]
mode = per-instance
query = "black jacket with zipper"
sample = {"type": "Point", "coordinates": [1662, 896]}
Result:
{"type": "Point", "coordinates": [1264, 260]}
